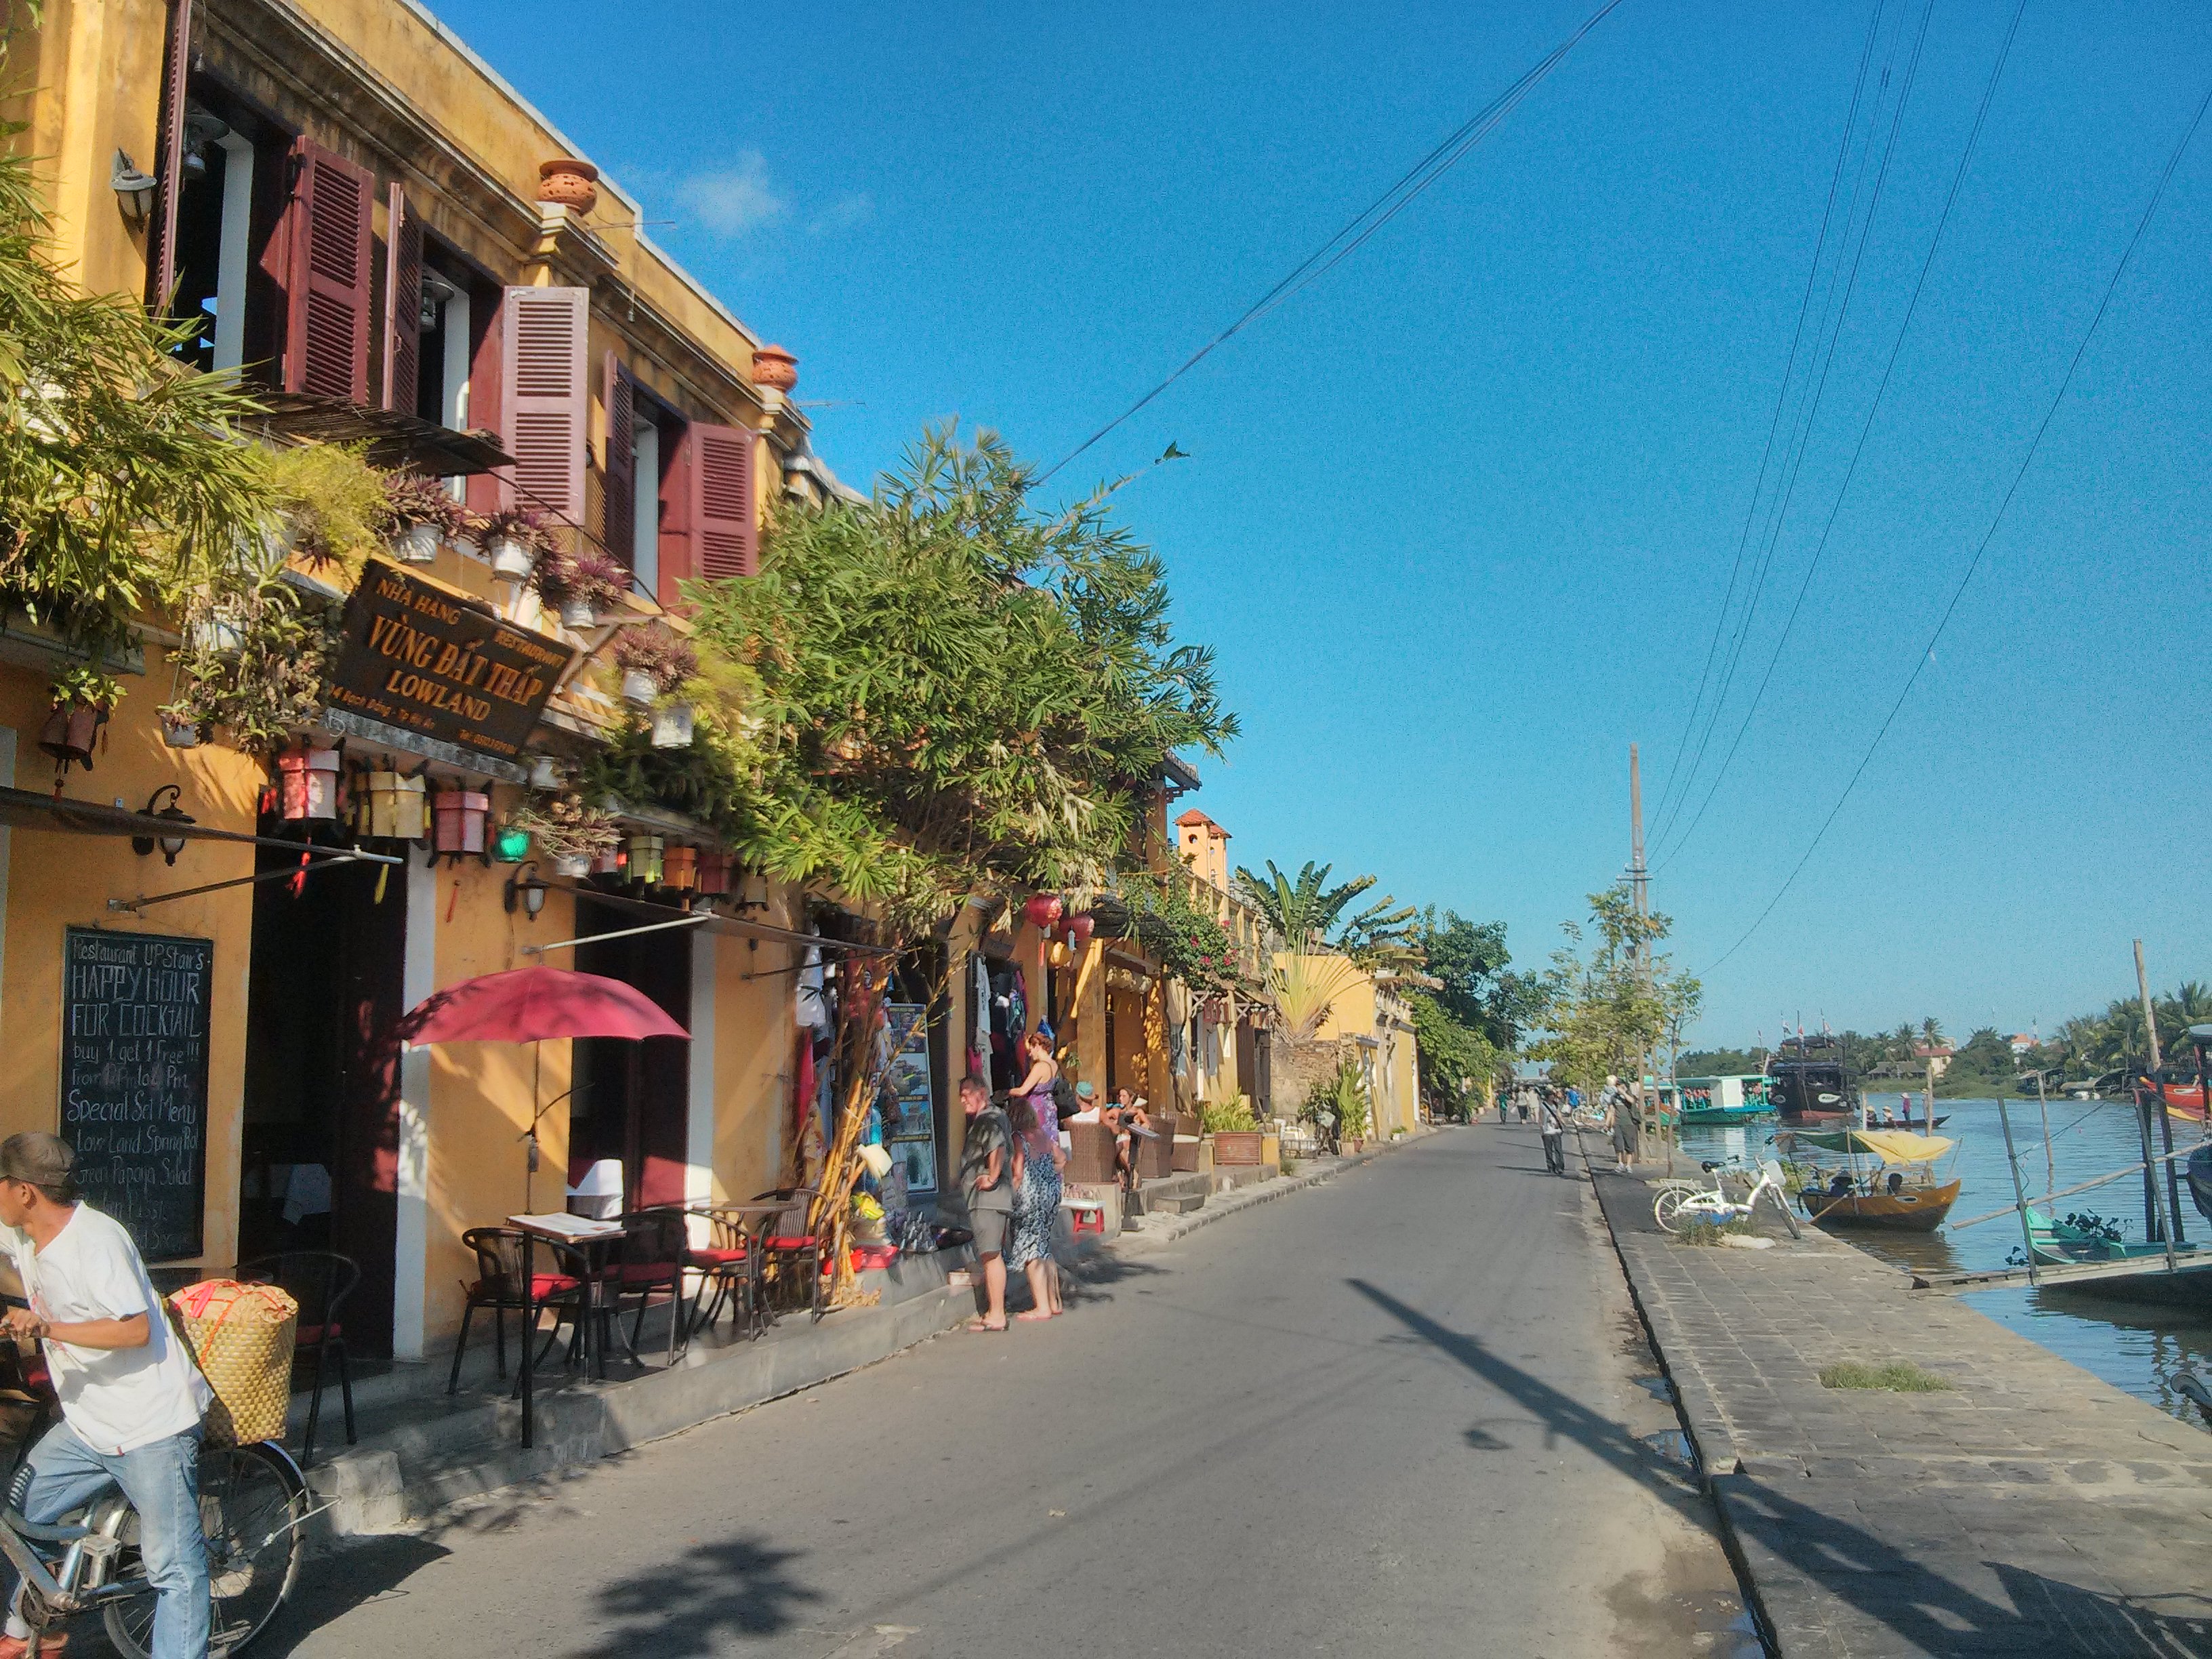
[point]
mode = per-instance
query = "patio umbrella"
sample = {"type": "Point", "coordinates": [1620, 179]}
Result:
{"type": "Point", "coordinates": [530, 1005]}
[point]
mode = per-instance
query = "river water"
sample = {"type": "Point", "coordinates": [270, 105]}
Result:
{"type": "Point", "coordinates": [2135, 1346]}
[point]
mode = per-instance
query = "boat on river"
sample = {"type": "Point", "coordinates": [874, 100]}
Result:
{"type": "Point", "coordinates": [2085, 1239]}
{"type": "Point", "coordinates": [1889, 1179]}
{"type": "Point", "coordinates": [1738, 1098]}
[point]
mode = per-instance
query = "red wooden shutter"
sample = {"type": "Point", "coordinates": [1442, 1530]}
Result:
{"type": "Point", "coordinates": [169, 157]}
{"type": "Point", "coordinates": [722, 527]}
{"type": "Point", "coordinates": [328, 251]}
{"type": "Point", "coordinates": [488, 492]}
{"type": "Point", "coordinates": [678, 563]}
{"type": "Point", "coordinates": [544, 398]}
{"type": "Point", "coordinates": [403, 304]}
{"type": "Point", "coordinates": [620, 496]}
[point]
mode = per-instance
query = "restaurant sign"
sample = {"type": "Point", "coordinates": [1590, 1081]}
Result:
{"type": "Point", "coordinates": [430, 660]}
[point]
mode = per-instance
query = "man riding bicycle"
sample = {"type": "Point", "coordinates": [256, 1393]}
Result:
{"type": "Point", "coordinates": [131, 1398]}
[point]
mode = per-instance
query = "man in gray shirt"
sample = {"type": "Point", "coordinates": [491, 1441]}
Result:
{"type": "Point", "coordinates": [986, 1182]}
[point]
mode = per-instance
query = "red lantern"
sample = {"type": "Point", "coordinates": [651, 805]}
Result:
{"type": "Point", "coordinates": [1045, 910]}
{"type": "Point", "coordinates": [714, 873]}
{"type": "Point", "coordinates": [461, 815]}
{"type": "Point", "coordinates": [309, 783]}
{"type": "Point", "coordinates": [1081, 929]}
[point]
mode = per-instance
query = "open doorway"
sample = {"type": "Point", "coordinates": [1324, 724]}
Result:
{"type": "Point", "coordinates": [632, 1101]}
{"type": "Point", "coordinates": [319, 1153]}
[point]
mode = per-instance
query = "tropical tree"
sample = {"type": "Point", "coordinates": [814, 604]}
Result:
{"type": "Point", "coordinates": [1610, 1004]}
{"type": "Point", "coordinates": [1309, 914]}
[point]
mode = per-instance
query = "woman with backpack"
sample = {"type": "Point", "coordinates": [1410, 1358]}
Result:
{"type": "Point", "coordinates": [1035, 1115]}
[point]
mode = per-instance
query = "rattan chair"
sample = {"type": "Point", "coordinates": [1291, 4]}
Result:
{"type": "Point", "coordinates": [499, 1253]}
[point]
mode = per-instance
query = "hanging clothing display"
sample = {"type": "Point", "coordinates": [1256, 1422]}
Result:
{"type": "Point", "coordinates": [813, 1000]}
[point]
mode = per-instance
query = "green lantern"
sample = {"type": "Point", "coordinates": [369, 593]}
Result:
{"type": "Point", "coordinates": [511, 846]}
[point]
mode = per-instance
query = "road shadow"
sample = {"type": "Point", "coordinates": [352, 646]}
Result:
{"type": "Point", "coordinates": [1099, 1277]}
{"type": "Point", "coordinates": [331, 1587]}
{"type": "Point", "coordinates": [1927, 1612]}
{"type": "Point", "coordinates": [702, 1601]}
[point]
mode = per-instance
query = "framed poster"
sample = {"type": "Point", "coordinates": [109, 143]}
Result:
{"type": "Point", "coordinates": [910, 1116]}
{"type": "Point", "coordinates": [136, 1011]}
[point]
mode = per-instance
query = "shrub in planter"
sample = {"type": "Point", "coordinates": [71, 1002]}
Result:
{"type": "Point", "coordinates": [568, 830]}
{"type": "Point", "coordinates": [335, 506]}
{"type": "Point", "coordinates": [582, 586]}
{"type": "Point", "coordinates": [516, 538]}
{"type": "Point", "coordinates": [82, 696]}
{"type": "Point", "coordinates": [252, 662]}
{"type": "Point", "coordinates": [423, 514]}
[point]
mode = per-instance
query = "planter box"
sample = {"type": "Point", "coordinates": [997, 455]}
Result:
{"type": "Point", "coordinates": [1237, 1146]}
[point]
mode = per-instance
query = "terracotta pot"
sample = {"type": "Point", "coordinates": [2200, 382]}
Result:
{"type": "Point", "coordinates": [573, 184]}
{"type": "Point", "coordinates": [70, 730]}
{"type": "Point", "coordinates": [774, 368]}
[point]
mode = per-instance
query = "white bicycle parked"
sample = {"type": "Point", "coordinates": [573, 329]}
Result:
{"type": "Point", "coordinates": [1684, 1204]}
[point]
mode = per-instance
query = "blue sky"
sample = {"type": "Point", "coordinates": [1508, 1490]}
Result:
{"type": "Point", "coordinates": [1460, 518]}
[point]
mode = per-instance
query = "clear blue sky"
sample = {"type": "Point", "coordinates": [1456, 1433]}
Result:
{"type": "Point", "coordinates": [1459, 518]}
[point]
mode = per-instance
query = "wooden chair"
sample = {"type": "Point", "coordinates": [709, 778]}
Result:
{"type": "Point", "coordinates": [499, 1253]}
{"type": "Point", "coordinates": [789, 1239]}
{"type": "Point", "coordinates": [319, 1281]}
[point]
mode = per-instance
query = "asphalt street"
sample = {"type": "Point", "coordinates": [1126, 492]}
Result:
{"type": "Point", "coordinates": [1394, 1414]}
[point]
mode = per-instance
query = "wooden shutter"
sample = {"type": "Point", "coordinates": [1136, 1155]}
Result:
{"type": "Point", "coordinates": [723, 536]}
{"type": "Point", "coordinates": [678, 564]}
{"type": "Point", "coordinates": [169, 156]}
{"type": "Point", "coordinates": [403, 304]}
{"type": "Point", "coordinates": [328, 255]}
{"type": "Point", "coordinates": [544, 398]}
{"type": "Point", "coordinates": [620, 496]}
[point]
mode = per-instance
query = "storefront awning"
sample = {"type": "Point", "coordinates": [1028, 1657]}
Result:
{"type": "Point", "coordinates": [655, 917]}
{"type": "Point", "coordinates": [390, 439]}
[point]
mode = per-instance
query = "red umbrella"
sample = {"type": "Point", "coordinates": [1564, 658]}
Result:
{"type": "Point", "coordinates": [529, 1005]}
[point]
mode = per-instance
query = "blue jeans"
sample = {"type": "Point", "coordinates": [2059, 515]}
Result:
{"type": "Point", "coordinates": [162, 1482]}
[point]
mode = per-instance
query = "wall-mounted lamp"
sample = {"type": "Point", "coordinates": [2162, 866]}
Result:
{"type": "Point", "coordinates": [525, 886]}
{"type": "Point", "coordinates": [170, 845]}
{"type": "Point", "coordinates": [134, 190]}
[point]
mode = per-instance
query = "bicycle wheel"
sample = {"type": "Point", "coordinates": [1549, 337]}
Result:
{"type": "Point", "coordinates": [1667, 1208]}
{"type": "Point", "coordinates": [253, 1501]}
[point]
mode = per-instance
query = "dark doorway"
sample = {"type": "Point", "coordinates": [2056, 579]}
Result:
{"type": "Point", "coordinates": [319, 1157]}
{"type": "Point", "coordinates": [632, 1101]}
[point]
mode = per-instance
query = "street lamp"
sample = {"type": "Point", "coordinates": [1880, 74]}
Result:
{"type": "Point", "coordinates": [525, 886]}
{"type": "Point", "coordinates": [170, 845]}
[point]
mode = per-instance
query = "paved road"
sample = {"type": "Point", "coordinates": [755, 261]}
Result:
{"type": "Point", "coordinates": [1392, 1415]}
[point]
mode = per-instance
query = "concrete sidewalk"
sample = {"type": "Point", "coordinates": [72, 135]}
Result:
{"type": "Point", "coordinates": [2030, 1508]}
{"type": "Point", "coordinates": [422, 1452]}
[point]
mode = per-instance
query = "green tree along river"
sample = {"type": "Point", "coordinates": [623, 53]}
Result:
{"type": "Point", "coordinates": [2135, 1346]}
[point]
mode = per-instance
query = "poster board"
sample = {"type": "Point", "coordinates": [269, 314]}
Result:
{"type": "Point", "coordinates": [910, 1111]}
{"type": "Point", "coordinates": [136, 1012]}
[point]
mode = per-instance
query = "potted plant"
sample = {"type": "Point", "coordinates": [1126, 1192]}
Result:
{"type": "Point", "coordinates": [336, 506]}
{"type": "Point", "coordinates": [570, 183]}
{"type": "Point", "coordinates": [1236, 1139]}
{"type": "Point", "coordinates": [83, 697]}
{"type": "Point", "coordinates": [582, 586]}
{"type": "Point", "coordinates": [568, 830]}
{"type": "Point", "coordinates": [655, 661]}
{"type": "Point", "coordinates": [517, 539]}
{"type": "Point", "coordinates": [423, 514]}
{"type": "Point", "coordinates": [180, 726]}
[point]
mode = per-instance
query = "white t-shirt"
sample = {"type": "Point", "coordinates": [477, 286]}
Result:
{"type": "Point", "coordinates": [117, 1399]}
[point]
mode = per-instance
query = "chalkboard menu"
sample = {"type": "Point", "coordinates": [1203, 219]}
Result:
{"type": "Point", "coordinates": [135, 1017]}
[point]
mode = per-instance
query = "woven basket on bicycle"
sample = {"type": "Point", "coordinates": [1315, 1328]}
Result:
{"type": "Point", "coordinates": [241, 1336]}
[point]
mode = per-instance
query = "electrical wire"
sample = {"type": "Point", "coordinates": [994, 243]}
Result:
{"type": "Point", "coordinates": [1674, 779]}
{"type": "Point", "coordinates": [1364, 224]}
{"type": "Point", "coordinates": [1866, 428]}
{"type": "Point", "coordinates": [1981, 548]}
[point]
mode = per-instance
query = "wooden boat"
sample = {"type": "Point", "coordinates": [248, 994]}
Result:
{"type": "Point", "coordinates": [2056, 1244]}
{"type": "Point", "coordinates": [1725, 1114]}
{"type": "Point", "coordinates": [1908, 1208]}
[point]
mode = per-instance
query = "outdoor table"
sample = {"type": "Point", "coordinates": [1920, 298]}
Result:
{"type": "Point", "coordinates": [591, 1239]}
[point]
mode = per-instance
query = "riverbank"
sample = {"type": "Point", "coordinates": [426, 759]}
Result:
{"type": "Point", "coordinates": [2028, 1506]}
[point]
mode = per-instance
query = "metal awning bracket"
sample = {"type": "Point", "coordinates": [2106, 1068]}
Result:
{"type": "Point", "coordinates": [330, 856]}
{"type": "Point", "coordinates": [692, 921]}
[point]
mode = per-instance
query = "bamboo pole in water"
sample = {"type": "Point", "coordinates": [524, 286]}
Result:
{"type": "Point", "coordinates": [2020, 1195]}
{"type": "Point", "coordinates": [2063, 1192]}
{"type": "Point", "coordinates": [2043, 1105]}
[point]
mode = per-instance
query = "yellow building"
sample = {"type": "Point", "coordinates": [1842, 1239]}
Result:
{"type": "Point", "coordinates": [1368, 1022]}
{"type": "Point", "coordinates": [385, 236]}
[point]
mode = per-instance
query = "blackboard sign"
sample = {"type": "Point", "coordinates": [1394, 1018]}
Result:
{"type": "Point", "coordinates": [135, 1017]}
{"type": "Point", "coordinates": [433, 659]}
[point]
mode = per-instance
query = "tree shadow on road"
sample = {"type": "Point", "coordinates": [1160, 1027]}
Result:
{"type": "Point", "coordinates": [1097, 1278]}
{"type": "Point", "coordinates": [1930, 1613]}
{"type": "Point", "coordinates": [701, 1601]}
{"type": "Point", "coordinates": [334, 1585]}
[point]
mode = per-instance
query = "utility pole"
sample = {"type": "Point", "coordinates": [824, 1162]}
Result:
{"type": "Point", "coordinates": [1639, 887]}
{"type": "Point", "coordinates": [2150, 1014]}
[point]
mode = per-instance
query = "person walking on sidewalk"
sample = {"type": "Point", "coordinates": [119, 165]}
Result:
{"type": "Point", "coordinates": [1551, 1126]}
{"type": "Point", "coordinates": [986, 1183]}
{"type": "Point", "coordinates": [1038, 1161]}
{"type": "Point", "coordinates": [131, 1398]}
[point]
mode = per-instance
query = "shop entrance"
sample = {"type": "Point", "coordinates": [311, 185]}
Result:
{"type": "Point", "coordinates": [319, 1156]}
{"type": "Point", "coordinates": [632, 1101]}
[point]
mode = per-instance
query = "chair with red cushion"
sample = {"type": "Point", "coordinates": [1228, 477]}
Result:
{"type": "Point", "coordinates": [650, 1261]}
{"type": "Point", "coordinates": [500, 1252]}
{"type": "Point", "coordinates": [788, 1237]}
{"type": "Point", "coordinates": [319, 1281]}
{"type": "Point", "coordinates": [731, 1261]}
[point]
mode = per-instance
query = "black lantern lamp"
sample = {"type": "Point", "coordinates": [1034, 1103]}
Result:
{"type": "Point", "coordinates": [170, 845]}
{"type": "Point", "coordinates": [524, 887]}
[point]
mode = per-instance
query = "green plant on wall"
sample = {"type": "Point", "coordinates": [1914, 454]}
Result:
{"type": "Point", "coordinates": [1342, 1096]}
{"type": "Point", "coordinates": [254, 660]}
{"type": "Point", "coordinates": [1188, 941]}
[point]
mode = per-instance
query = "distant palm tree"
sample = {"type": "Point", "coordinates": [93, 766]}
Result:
{"type": "Point", "coordinates": [1931, 1032]}
{"type": "Point", "coordinates": [1308, 913]}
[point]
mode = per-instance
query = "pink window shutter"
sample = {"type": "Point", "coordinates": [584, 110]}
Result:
{"type": "Point", "coordinates": [328, 255]}
{"type": "Point", "coordinates": [722, 527]}
{"type": "Point", "coordinates": [620, 496]}
{"type": "Point", "coordinates": [403, 304]}
{"type": "Point", "coordinates": [544, 398]}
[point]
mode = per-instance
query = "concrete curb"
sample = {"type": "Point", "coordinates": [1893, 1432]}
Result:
{"type": "Point", "coordinates": [419, 1478]}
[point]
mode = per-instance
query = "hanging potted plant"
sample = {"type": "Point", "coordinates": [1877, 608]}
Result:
{"type": "Point", "coordinates": [654, 661]}
{"type": "Point", "coordinates": [83, 697]}
{"type": "Point", "coordinates": [517, 539]}
{"type": "Point", "coordinates": [569, 830]}
{"type": "Point", "coordinates": [583, 586]}
{"type": "Point", "coordinates": [180, 726]}
{"type": "Point", "coordinates": [672, 723]}
{"type": "Point", "coordinates": [423, 514]}
{"type": "Point", "coordinates": [336, 508]}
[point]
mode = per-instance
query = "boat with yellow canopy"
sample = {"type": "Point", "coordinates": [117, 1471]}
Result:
{"type": "Point", "coordinates": [1890, 1179]}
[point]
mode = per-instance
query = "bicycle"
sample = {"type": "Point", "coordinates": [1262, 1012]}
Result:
{"type": "Point", "coordinates": [253, 1504]}
{"type": "Point", "coordinates": [1679, 1205]}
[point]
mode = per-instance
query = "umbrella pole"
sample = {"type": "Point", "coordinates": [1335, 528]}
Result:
{"type": "Point", "coordinates": [529, 1158]}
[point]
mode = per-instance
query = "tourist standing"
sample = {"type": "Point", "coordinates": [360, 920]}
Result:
{"type": "Point", "coordinates": [1620, 1118]}
{"type": "Point", "coordinates": [1551, 1127]}
{"type": "Point", "coordinates": [131, 1398]}
{"type": "Point", "coordinates": [986, 1183]}
{"type": "Point", "coordinates": [1038, 1162]}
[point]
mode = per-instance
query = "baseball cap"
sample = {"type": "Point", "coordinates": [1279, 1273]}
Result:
{"type": "Point", "coordinates": [34, 1156]}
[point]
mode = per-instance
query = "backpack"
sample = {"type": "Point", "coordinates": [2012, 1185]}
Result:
{"type": "Point", "coordinates": [1064, 1099]}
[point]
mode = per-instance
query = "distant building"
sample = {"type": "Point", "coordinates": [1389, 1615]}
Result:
{"type": "Point", "coordinates": [1935, 1056]}
{"type": "Point", "coordinates": [2023, 1043]}
{"type": "Point", "coordinates": [1204, 846]}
